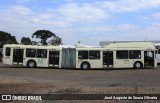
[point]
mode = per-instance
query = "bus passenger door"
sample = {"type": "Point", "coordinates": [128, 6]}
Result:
{"type": "Point", "coordinates": [18, 56]}
{"type": "Point", "coordinates": [149, 58]}
{"type": "Point", "coordinates": [158, 56]}
{"type": "Point", "coordinates": [53, 58]}
{"type": "Point", "coordinates": [108, 59]}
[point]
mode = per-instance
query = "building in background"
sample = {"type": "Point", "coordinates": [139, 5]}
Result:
{"type": "Point", "coordinates": [102, 43]}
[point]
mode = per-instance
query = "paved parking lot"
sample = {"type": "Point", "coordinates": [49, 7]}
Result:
{"type": "Point", "coordinates": [15, 79]}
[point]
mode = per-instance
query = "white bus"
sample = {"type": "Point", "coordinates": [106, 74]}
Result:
{"type": "Point", "coordinates": [158, 53]}
{"type": "Point", "coordinates": [31, 56]}
{"type": "Point", "coordinates": [118, 55]}
{"type": "Point", "coordinates": [39, 56]}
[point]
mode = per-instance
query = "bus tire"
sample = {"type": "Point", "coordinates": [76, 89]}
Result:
{"type": "Point", "coordinates": [138, 65]}
{"type": "Point", "coordinates": [85, 65]}
{"type": "Point", "coordinates": [31, 64]}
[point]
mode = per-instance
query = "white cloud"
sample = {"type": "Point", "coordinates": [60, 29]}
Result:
{"type": "Point", "coordinates": [15, 18]}
{"type": "Point", "coordinates": [122, 27]}
{"type": "Point", "coordinates": [84, 13]}
{"type": "Point", "coordinates": [85, 22]}
{"type": "Point", "coordinates": [126, 27]}
{"type": "Point", "coordinates": [25, 1]}
{"type": "Point", "coordinates": [69, 0]}
{"type": "Point", "coordinates": [121, 32]}
{"type": "Point", "coordinates": [128, 5]}
{"type": "Point", "coordinates": [18, 10]}
{"type": "Point", "coordinates": [156, 15]}
{"type": "Point", "coordinates": [55, 1]}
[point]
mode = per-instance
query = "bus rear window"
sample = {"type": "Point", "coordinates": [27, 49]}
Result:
{"type": "Point", "coordinates": [8, 51]}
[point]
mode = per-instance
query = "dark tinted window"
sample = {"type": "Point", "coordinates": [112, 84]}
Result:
{"type": "Point", "coordinates": [158, 47]}
{"type": "Point", "coordinates": [0, 53]}
{"type": "Point", "coordinates": [122, 54]}
{"type": "Point", "coordinates": [30, 52]}
{"type": "Point", "coordinates": [83, 55]}
{"type": "Point", "coordinates": [8, 51]}
{"type": "Point", "coordinates": [41, 53]}
{"type": "Point", "coordinates": [134, 54]}
{"type": "Point", "coordinates": [94, 54]}
{"type": "Point", "coordinates": [56, 54]}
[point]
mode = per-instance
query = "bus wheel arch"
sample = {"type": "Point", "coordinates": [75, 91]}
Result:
{"type": "Point", "coordinates": [31, 63]}
{"type": "Point", "coordinates": [85, 65]}
{"type": "Point", "coordinates": [138, 65]}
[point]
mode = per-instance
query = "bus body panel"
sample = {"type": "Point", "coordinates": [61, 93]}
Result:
{"type": "Point", "coordinates": [94, 63]}
{"type": "Point", "coordinates": [158, 58]}
{"type": "Point", "coordinates": [7, 59]}
{"type": "Point", "coordinates": [126, 63]}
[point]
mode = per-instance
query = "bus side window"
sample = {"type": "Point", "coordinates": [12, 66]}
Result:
{"type": "Point", "coordinates": [0, 53]}
{"type": "Point", "coordinates": [82, 54]}
{"type": "Point", "coordinates": [94, 54]}
{"type": "Point", "coordinates": [122, 54]}
{"type": "Point", "coordinates": [8, 52]}
{"type": "Point", "coordinates": [41, 53]}
{"type": "Point", "coordinates": [150, 54]}
{"type": "Point", "coordinates": [30, 52]}
{"type": "Point", "coordinates": [159, 51]}
{"type": "Point", "coordinates": [134, 54]}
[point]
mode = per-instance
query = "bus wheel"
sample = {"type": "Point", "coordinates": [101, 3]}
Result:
{"type": "Point", "coordinates": [137, 65]}
{"type": "Point", "coordinates": [31, 64]}
{"type": "Point", "coordinates": [85, 65]}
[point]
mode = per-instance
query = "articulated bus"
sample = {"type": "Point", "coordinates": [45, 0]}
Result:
{"type": "Point", "coordinates": [116, 55]}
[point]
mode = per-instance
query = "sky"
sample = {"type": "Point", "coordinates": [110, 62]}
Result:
{"type": "Point", "coordinates": [88, 21]}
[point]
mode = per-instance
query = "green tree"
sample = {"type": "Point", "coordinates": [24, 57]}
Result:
{"type": "Point", "coordinates": [43, 35]}
{"type": "Point", "coordinates": [7, 38]}
{"type": "Point", "coordinates": [26, 41]}
{"type": "Point", "coordinates": [35, 43]}
{"type": "Point", "coordinates": [55, 41]}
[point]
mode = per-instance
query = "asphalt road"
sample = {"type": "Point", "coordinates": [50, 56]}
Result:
{"type": "Point", "coordinates": [93, 78]}
{"type": "Point", "coordinates": [14, 79]}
